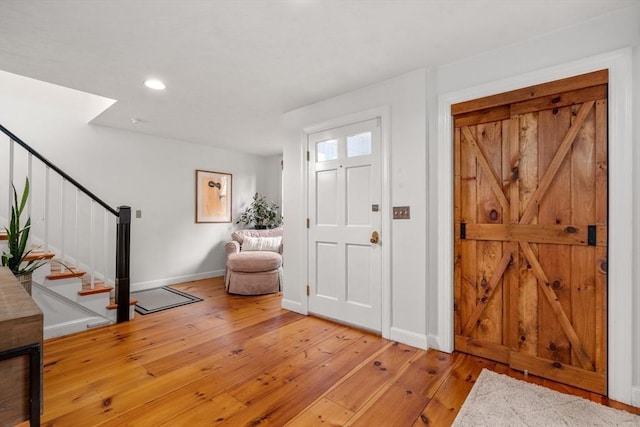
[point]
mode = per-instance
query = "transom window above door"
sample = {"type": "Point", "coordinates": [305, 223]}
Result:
{"type": "Point", "coordinates": [359, 144]}
{"type": "Point", "coordinates": [327, 150]}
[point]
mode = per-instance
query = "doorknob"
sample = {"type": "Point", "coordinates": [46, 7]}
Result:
{"type": "Point", "coordinates": [374, 237]}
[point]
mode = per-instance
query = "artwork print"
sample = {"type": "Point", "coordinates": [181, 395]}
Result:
{"type": "Point", "coordinates": [213, 196]}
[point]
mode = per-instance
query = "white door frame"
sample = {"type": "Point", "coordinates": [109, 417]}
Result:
{"type": "Point", "coordinates": [621, 202]}
{"type": "Point", "coordinates": [384, 115]}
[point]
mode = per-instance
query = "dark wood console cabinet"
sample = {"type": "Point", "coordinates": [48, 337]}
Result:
{"type": "Point", "coordinates": [21, 328]}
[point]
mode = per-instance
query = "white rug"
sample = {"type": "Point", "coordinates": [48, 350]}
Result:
{"type": "Point", "coordinates": [499, 400]}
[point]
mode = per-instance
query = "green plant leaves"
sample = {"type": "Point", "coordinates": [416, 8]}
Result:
{"type": "Point", "coordinates": [261, 213]}
{"type": "Point", "coordinates": [18, 237]}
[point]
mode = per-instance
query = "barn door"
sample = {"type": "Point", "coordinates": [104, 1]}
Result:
{"type": "Point", "coordinates": [530, 177]}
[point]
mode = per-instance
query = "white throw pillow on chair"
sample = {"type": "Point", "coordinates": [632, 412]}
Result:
{"type": "Point", "coordinates": [261, 244]}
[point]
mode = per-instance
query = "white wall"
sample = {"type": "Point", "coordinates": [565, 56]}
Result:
{"type": "Point", "coordinates": [405, 96]}
{"type": "Point", "coordinates": [151, 174]}
{"type": "Point", "coordinates": [272, 187]}
{"type": "Point", "coordinates": [636, 237]}
{"type": "Point", "coordinates": [413, 99]}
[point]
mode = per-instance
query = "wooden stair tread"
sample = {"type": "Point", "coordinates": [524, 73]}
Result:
{"type": "Point", "coordinates": [66, 274]}
{"type": "Point", "coordinates": [38, 255]}
{"type": "Point", "coordinates": [86, 280]}
{"type": "Point", "coordinates": [98, 288]}
{"type": "Point", "coordinates": [3, 235]}
{"type": "Point", "coordinates": [112, 303]}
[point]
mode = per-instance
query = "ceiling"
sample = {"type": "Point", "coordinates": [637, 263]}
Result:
{"type": "Point", "coordinates": [233, 67]}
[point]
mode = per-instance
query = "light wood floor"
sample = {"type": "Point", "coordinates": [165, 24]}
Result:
{"type": "Point", "coordinates": [236, 361]}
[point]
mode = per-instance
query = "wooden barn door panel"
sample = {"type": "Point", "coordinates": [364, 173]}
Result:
{"type": "Point", "coordinates": [530, 212]}
{"type": "Point", "coordinates": [482, 307]}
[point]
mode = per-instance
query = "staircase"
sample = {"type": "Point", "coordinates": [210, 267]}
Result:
{"type": "Point", "coordinates": [69, 300]}
{"type": "Point", "coordinates": [75, 285]}
{"type": "Point", "coordinates": [85, 280]}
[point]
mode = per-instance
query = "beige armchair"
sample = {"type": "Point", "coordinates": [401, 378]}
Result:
{"type": "Point", "coordinates": [254, 262]}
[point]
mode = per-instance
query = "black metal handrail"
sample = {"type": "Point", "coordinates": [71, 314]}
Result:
{"type": "Point", "coordinates": [123, 244]}
{"type": "Point", "coordinates": [58, 170]}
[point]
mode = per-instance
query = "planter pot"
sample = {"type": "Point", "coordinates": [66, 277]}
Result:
{"type": "Point", "coordinates": [25, 281]}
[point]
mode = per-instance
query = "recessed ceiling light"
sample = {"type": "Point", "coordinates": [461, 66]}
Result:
{"type": "Point", "coordinates": [154, 84]}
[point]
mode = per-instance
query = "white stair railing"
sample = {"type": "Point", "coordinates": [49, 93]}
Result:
{"type": "Point", "coordinates": [81, 229]}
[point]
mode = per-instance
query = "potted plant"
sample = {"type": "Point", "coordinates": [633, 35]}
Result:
{"type": "Point", "coordinates": [17, 237]}
{"type": "Point", "coordinates": [261, 213]}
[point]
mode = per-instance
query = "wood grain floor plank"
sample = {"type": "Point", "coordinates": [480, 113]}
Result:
{"type": "Point", "coordinates": [175, 407]}
{"type": "Point", "coordinates": [175, 343]}
{"type": "Point", "coordinates": [277, 373]}
{"type": "Point", "coordinates": [358, 389]}
{"type": "Point", "coordinates": [206, 413]}
{"type": "Point", "coordinates": [232, 360]}
{"type": "Point", "coordinates": [323, 412]}
{"type": "Point", "coordinates": [233, 342]}
{"type": "Point", "coordinates": [99, 365]}
{"type": "Point", "coordinates": [292, 398]}
{"type": "Point", "coordinates": [402, 403]}
{"type": "Point", "coordinates": [239, 364]}
{"type": "Point", "coordinates": [447, 401]}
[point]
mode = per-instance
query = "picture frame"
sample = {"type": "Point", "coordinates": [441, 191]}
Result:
{"type": "Point", "coordinates": [213, 196]}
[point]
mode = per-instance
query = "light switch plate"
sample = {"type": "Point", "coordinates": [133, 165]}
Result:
{"type": "Point", "coordinates": [401, 212]}
{"type": "Point", "coordinates": [138, 214]}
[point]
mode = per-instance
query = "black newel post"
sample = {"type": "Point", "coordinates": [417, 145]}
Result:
{"type": "Point", "coordinates": [123, 253]}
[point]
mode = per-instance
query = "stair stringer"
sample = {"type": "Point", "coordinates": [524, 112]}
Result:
{"type": "Point", "coordinates": [63, 316]}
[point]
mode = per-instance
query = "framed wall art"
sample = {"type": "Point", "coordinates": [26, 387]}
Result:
{"type": "Point", "coordinates": [213, 196]}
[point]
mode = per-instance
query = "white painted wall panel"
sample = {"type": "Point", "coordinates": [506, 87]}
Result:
{"type": "Point", "coordinates": [358, 203]}
{"type": "Point", "coordinates": [359, 274]}
{"type": "Point", "coordinates": [326, 269]}
{"type": "Point", "coordinates": [326, 190]}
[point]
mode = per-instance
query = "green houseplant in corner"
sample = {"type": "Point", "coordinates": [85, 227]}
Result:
{"type": "Point", "coordinates": [261, 213]}
{"type": "Point", "coordinates": [17, 238]}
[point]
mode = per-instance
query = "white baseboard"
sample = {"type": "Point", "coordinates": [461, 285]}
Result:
{"type": "Point", "coordinates": [72, 326]}
{"type": "Point", "coordinates": [408, 337]}
{"type": "Point", "coordinates": [635, 396]}
{"type": "Point", "coordinates": [433, 341]}
{"type": "Point", "coordinates": [140, 286]}
{"type": "Point", "coordinates": [294, 306]}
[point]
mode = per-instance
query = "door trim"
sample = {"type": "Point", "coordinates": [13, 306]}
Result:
{"type": "Point", "coordinates": [384, 115]}
{"type": "Point", "coordinates": [621, 156]}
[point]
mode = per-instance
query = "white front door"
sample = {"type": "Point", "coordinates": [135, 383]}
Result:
{"type": "Point", "coordinates": [344, 214]}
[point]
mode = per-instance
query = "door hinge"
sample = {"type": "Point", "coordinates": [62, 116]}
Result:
{"type": "Point", "coordinates": [308, 222]}
{"type": "Point", "coordinates": [308, 155]}
{"type": "Point", "coordinates": [308, 290]}
{"type": "Point", "coordinates": [591, 235]}
{"type": "Point", "coordinates": [463, 231]}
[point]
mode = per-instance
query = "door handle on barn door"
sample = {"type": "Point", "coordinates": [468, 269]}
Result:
{"type": "Point", "coordinates": [374, 237]}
